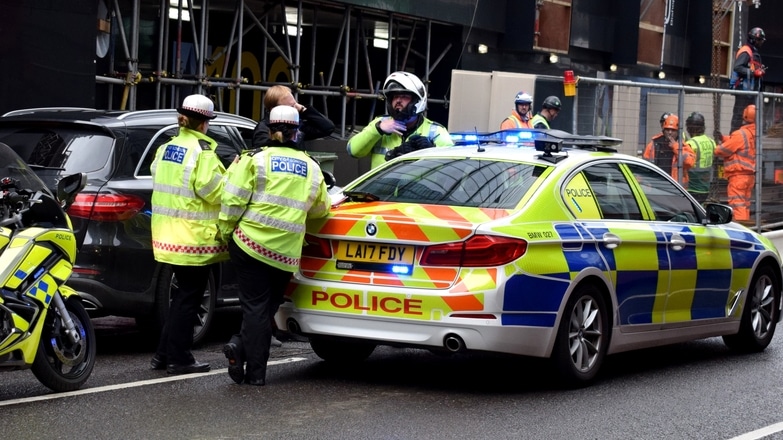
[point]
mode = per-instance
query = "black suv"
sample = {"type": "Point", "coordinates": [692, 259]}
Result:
{"type": "Point", "coordinates": [115, 269]}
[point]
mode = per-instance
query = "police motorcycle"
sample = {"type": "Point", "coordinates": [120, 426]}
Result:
{"type": "Point", "coordinates": [43, 324]}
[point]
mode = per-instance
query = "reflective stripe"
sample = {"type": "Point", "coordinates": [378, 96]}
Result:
{"type": "Point", "coordinates": [237, 191]}
{"type": "Point", "coordinates": [208, 188]}
{"type": "Point", "coordinates": [279, 200]}
{"type": "Point", "coordinates": [266, 220]}
{"type": "Point", "coordinates": [260, 250]}
{"type": "Point", "coordinates": [379, 150]}
{"type": "Point", "coordinates": [184, 214]}
{"type": "Point", "coordinates": [232, 211]}
{"type": "Point", "coordinates": [174, 190]}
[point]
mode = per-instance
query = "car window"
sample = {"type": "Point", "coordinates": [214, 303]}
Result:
{"type": "Point", "coordinates": [161, 138]}
{"type": "Point", "coordinates": [668, 201]}
{"type": "Point", "coordinates": [247, 136]}
{"type": "Point", "coordinates": [226, 148]}
{"type": "Point", "coordinates": [454, 182]}
{"type": "Point", "coordinates": [612, 192]}
{"type": "Point", "coordinates": [67, 149]}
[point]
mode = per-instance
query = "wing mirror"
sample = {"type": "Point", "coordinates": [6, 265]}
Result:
{"type": "Point", "coordinates": [68, 187]}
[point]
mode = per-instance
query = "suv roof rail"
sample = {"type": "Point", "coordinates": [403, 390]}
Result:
{"type": "Point", "coordinates": [166, 111]}
{"type": "Point", "coordinates": [25, 111]}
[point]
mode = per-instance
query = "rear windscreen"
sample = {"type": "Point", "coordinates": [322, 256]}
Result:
{"type": "Point", "coordinates": [67, 149]}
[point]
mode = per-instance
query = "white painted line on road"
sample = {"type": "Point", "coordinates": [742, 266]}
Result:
{"type": "Point", "coordinates": [760, 433]}
{"type": "Point", "coordinates": [140, 383]}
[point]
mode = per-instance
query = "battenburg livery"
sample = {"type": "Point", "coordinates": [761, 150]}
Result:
{"type": "Point", "coordinates": [536, 243]}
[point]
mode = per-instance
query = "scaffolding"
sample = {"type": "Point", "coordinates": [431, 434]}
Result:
{"type": "Point", "coordinates": [285, 19]}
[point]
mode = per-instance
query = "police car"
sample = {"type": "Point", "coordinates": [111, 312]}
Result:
{"type": "Point", "coordinates": [535, 243]}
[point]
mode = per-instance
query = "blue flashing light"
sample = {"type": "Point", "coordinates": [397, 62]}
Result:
{"type": "Point", "coordinates": [401, 270]}
{"type": "Point", "coordinates": [471, 137]}
{"type": "Point", "coordinates": [456, 137]}
{"type": "Point", "coordinates": [512, 139]}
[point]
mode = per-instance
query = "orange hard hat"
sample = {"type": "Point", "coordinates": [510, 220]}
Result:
{"type": "Point", "coordinates": [671, 121]}
{"type": "Point", "coordinates": [749, 114]}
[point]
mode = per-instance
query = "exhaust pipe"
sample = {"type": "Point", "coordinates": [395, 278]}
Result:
{"type": "Point", "coordinates": [453, 343]}
{"type": "Point", "coordinates": [293, 326]}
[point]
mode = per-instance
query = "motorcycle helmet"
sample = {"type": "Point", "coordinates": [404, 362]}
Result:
{"type": "Point", "coordinates": [552, 102]}
{"type": "Point", "coordinates": [749, 114]}
{"type": "Point", "coordinates": [756, 36]}
{"type": "Point", "coordinates": [695, 123]}
{"type": "Point", "coordinates": [523, 98]}
{"type": "Point", "coordinates": [197, 106]}
{"type": "Point", "coordinates": [672, 122]}
{"type": "Point", "coordinates": [404, 82]}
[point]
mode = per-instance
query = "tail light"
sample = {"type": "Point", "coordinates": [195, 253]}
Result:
{"type": "Point", "coordinates": [106, 207]}
{"type": "Point", "coordinates": [477, 251]}
{"type": "Point", "coordinates": [316, 247]}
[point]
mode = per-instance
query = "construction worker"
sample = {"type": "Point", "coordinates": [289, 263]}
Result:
{"type": "Point", "coordinates": [739, 163]}
{"type": "Point", "coordinates": [549, 110]}
{"type": "Point", "coordinates": [658, 150]}
{"type": "Point", "coordinates": [270, 193]}
{"type": "Point", "coordinates": [703, 147]}
{"type": "Point", "coordinates": [187, 182]}
{"type": "Point", "coordinates": [747, 73]}
{"type": "Point", "coordinates": [404, 128]}
{"type": "Point", "coordinates": [520, 116]}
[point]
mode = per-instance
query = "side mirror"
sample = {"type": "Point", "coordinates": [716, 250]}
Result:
{"type": "Point", "coordinates": [68, 187]}
{"type": "Point", "coordinates": [329, 179]}
{"type": "Point", "coordinates": [718, 214]}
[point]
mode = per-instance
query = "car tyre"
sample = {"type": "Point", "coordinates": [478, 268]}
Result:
{"type": "Point", "coordinates": [582, 337]}
{"type": "Point", "coordinates": [341, 351]}
{"type": "Point", "coordinates": [759, 315]}
{"type": "Point", "coordinates": [167, 281]}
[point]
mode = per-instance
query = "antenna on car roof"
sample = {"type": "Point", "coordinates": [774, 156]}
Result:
{"type": "Point", "coordinates": [480, 149]}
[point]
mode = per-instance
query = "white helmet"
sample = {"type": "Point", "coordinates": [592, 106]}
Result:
{"type": "Point", "coordinates": [197, 106]}
{"type": "Point", "coordinates": [284, 114]}
{"type": "Point", "coordinates": [404, 82]}
{"type": "Point", "coordinates": [523, 98]}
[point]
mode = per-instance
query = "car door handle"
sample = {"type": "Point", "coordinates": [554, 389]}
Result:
{"type": "Point", "coordinates": [611, 241]}
{"type": "Point", "coordinates": [677, 243]}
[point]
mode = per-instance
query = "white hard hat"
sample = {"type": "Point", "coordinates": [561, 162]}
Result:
{"type": "Point", "coordinates": [198, 106]}
{"type": "Point", "coordinates": [404, 82]}
{"type": "Point", "coordinates": [284, 114]}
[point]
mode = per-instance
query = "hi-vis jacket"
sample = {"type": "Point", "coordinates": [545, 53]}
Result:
{"type": "Point", "coordinates": [700, 176]}
{"type": "Point", "coordinates": [539, 119]}
{"type": "Point", "coordinates": [738, 151]}
{"type": "Point", "coordinates": [364, 142]}
{"type": "Point", "coordinates": [187, 183]}
{"type": "Point", "coordinates": [269, 195]}
{"type": "Point", "coordinates": [515, 120]}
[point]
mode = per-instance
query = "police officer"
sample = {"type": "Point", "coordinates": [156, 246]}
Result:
{"type": "Point", "coordinates": [187, 183]}
{"type": "Point", "coordinates": [703, 147]}
{"type": "Point", "coordinates": [549, 110]}
{"type": "Point", "coordinates": [404, 128]}
{"type": "Point", "coordinates": [520, 116]}
{"type": "Point", "coordinates": [270, 193]}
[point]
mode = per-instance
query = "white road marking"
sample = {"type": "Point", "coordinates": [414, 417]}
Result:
{"type": "Point", "coordinates": [140, 383]}
{"type": "Point", "coordinates": [760, 433]}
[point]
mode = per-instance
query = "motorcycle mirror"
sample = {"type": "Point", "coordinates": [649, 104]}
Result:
{"type": "Point", "coordinates": [69, 186]}
{"type": "Point", "coordinates": [329, 179]}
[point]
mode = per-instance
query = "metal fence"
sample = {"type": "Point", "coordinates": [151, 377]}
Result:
{"type": "Point", "coordinates": [632, 110]}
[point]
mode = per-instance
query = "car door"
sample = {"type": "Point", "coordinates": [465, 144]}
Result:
{"type": "Point", "coordinates": [698, 256]}
{"type": "Point", "coordinates": [610, 214]}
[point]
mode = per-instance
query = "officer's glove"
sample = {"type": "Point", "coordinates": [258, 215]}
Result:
{"type": "Point", "coordinates": [419, 142]}
{"type": "Point", "coordinates": [403, 148]}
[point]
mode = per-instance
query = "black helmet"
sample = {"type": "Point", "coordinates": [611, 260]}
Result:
{"type": "Point", "coordinates": [552, 102]}
{"type": "Point", "coordinates": [664, 116]}
{"type": "Point", "coordinates": [756, 36]}
{"type": "Point", "coordinates": [695, 123]}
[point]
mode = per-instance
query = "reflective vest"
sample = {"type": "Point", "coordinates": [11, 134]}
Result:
{"type": "Point", "coordinates": [367, 141]}
{"type": "Point", "coordinates": [187, 181]}
{"type": "Point", "coordinates": [739, 151]}
{"type": "Point", "coordinates": [660, 152]}
{"type": "Point", "coordinates": [538, 119]}
{"type": "Point", "coordinates": [514, 121]}
{"type": "Point", "coordinates": [700, 175]}
{"type": "Point", "coordinates": [269, 195]}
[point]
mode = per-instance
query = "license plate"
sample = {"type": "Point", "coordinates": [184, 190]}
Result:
{"type": "Point", "coordinates": [375, 253]}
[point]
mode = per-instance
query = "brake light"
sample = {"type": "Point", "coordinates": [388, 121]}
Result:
{"type": "Point", "coordinates": [316, 247]}
{"type": "Point", "coordinates": [106, 207]}
{"type": "Point", "coordinates": [477, 251]}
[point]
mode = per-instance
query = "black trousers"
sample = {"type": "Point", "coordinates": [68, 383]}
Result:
{"type": "Point", "coordinates": [176, 340]}
{"type": "Point", "coordinates": [261, 290]}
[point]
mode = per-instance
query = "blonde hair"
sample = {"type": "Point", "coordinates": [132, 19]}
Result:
{"type": "Point", "coordinates": [274, 95]}
{"type": "Point", "coordinates": [191, 123]}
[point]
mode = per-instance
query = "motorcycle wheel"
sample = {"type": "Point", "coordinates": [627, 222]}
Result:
{"type": "Point", "coordinates": [60, 364]}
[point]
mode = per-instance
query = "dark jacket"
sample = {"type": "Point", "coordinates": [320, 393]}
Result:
{"type": "Point", "coordinates": [312, 124]}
